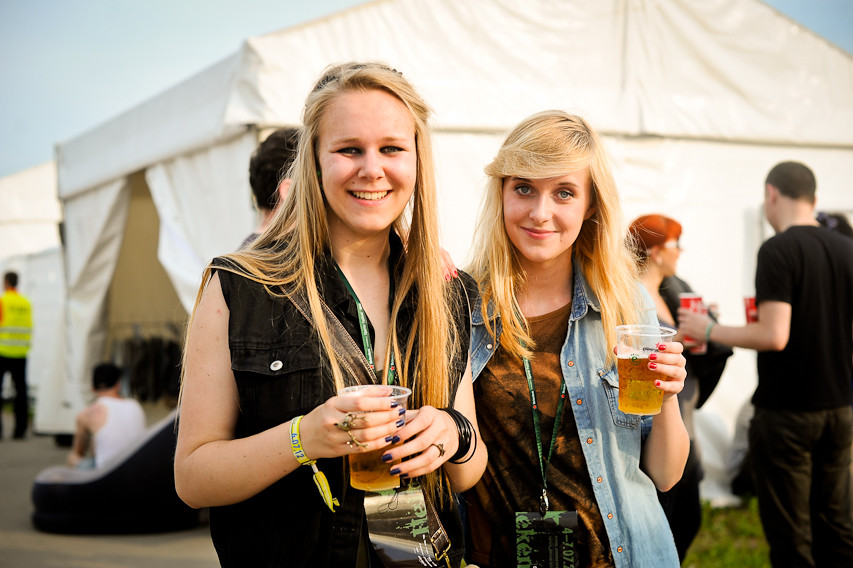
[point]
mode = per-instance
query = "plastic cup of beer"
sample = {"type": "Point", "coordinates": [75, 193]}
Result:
{"type": "Point", "coordinates": [637, 391]}
{"type": "Point", "coordinates": [693, 302]}
{"type": "Point", "coordinates": [367, 470]}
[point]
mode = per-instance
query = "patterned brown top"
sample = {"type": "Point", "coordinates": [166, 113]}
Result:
{"type": "Point", "coordinates": [512, 481]}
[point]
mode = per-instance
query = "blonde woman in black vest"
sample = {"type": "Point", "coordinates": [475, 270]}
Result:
{"type": "Point", "coordinates": [256, 371]}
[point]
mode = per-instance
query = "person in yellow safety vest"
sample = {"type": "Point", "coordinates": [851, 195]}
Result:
{"type": "Point", "coordinates": [16, 326]}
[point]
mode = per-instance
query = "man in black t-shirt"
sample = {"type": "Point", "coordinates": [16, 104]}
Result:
{"type": "Point", "coordinates": [801, 434]}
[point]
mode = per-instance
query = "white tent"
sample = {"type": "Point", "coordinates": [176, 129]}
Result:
{"type": "Point", "coordinates": [697, 100]}
{"type": "Point", "coordinates": [30, 217]}
{"type": "Point", "coordinates": [30, 212]}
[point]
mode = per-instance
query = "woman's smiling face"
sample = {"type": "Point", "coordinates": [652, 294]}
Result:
{"type": "Point", "coordinates": [543, 217]}
{"type": "Point", "coordinates": [368, 162]}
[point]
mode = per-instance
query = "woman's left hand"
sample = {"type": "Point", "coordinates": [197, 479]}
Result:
{"type": "Point", "coordinates": [670, 363]}
{"type": "Point", "coordinates": [430, 436]}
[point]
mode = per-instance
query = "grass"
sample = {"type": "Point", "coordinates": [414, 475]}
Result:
{"type": "Point", "coordinates": [729, 538]}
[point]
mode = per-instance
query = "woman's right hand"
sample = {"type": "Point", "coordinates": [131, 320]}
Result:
{"type": "Point", "coordinates": [374, 420]}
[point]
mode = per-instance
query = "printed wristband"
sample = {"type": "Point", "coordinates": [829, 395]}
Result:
{"type": "Point", "coordinates": [296, 443]}
{"type": "Point", "coordinates": [319, 479]}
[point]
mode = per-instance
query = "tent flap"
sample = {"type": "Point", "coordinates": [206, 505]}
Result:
{"type": "Point", "coordinates": [205, 207]}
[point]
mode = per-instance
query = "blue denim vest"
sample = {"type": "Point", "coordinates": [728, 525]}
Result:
{"type": "Point", "coordinates": [637, 529]}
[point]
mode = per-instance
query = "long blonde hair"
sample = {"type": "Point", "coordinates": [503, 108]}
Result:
{"type": "Point", "coordinates": [545, 145]}
{"type": "Point", "coordinates": [282, 258]}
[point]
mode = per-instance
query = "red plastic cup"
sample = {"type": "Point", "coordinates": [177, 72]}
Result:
{"type": "Point", "coordinates": [693, 302]}
{"type": "Point", "coordinates": [751, 309]}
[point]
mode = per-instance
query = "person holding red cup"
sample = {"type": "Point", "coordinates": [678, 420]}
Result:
{"type": "Point", "coordinates": [657, 247]}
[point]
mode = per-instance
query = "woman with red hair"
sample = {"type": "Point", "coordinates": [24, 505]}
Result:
{"type": "Point", "coordinates": [657, 246]}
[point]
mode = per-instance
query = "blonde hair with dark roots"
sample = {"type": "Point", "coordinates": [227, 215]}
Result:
{"type": "Point", "coordinates": [546, 145]}
{"type": "Point", "coordinates": [282, 258]}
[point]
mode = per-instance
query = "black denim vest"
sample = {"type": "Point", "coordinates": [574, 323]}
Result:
{"type": "Point", "coordinates": [282, 372]}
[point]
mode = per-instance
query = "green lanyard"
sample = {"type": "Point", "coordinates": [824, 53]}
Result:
{"type": "Point", "coordinates": [365, 332]}
{"type": "Point", "coordinates": [543, 500]}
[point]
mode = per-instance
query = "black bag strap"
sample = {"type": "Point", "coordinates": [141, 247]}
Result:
{"type": "Point", "coordinates": [348, 353]}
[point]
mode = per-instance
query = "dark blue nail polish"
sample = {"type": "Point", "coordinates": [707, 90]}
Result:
{"type": "Point", "coordinates": [404, 475]}
{"type": "Point", "coordinates": [395, 404]}
{"type": "Point", "coordinates": [401, 422]}
{"type": "Point", "coordinates": [386, 457]}
{"type": "Point", "coordinates": [395, 471]}
{"type": "Point", "coordinates": [389, 438]}
{"type": "Point", "coordinates": [401, 412]}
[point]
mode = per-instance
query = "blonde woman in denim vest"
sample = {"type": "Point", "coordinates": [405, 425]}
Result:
{"type": "Point", "coordinates": [556, 278]}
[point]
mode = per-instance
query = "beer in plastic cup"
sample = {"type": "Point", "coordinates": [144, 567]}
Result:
{"type": "Point", "coordinates": [367, 470]}
{"type": "Point", "coordinates": [694, 303]}
{"type": "Point", "coordinates": [751, 309]}
{"type": "Point", "coordinates": [637, 391]}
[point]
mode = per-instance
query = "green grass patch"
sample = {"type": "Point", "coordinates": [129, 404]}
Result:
{"type": "Point", "coordinates": [730, 537]}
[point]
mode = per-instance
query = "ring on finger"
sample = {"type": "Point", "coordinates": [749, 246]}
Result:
{"type": "Point", "coordinates": [346, 423]}
{"type": "Point", "coordinates": [440, 448]}
{"type": "Point", "coordinates": [355, 441]}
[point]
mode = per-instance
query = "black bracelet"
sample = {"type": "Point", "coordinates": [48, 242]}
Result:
{"type": "Point", "coordinates": [472, 453]}
{"type": "Point", "coordinates": [463, 426]}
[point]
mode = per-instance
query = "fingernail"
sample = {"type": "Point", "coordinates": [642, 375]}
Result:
{"type": "Point", "coordinates": [657, 383]}
{"type": "Point", "coordinates": [395, 404]}
{"type": "Point", "coordinates": [401, 422]}
{"type": "Point", "coordinates": [392, 439]}
{"type": "Point", "coordinates": [653, 357]}
{"type": "Point", "coordinates": [455, 274]}
{"type": "Point", "coordinates": [386, 457]}
{"type": "Point", "coordinates": [403, 475]}
{"type": "Point", "coordinates": [395, 471]}
{"type": "Point", "coordinates": [447, 278]}
{"type": "Point", "coordinates": [661, 347]}
{"type": "Point", "coordinates": [653, 365]}
{"type": "Point", "coordinates": [401, 412]}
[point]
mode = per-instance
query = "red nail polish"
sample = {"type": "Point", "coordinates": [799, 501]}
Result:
{"type": "Point", "coordinates": [455, 274]}
{"type": "Point", "coordinates": [653, 365]}
{"type": "Point", "coordinates": [653, 357]}
{"type": "Point", "coordinates": [661, 347]}
{"type": "Point", "coordinates": [657, 383]}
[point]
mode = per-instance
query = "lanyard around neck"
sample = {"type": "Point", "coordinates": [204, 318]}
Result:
{"type": "Point", "coordinates": [543, 465]}
{"type": "Point", "coordinates": [365, 331]}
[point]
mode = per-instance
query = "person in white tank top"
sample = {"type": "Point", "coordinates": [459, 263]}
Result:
{"type": "Point", "coordinates": [108, 425]}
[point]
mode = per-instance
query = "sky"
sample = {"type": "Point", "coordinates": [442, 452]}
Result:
{"type": "Point", "coordinates": [68, 65]}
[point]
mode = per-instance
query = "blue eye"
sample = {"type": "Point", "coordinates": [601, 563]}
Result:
{"type": "Point", "coordinates": [391, 149]}
{"type": "Point", "coordinates": [523, 189]}
{"type": "Point", "coordinates": [563, 194]}
{"type": "Point", "coordinates": [349, 151]}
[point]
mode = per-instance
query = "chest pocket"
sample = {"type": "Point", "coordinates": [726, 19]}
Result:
{"type": "Point", "coordinates": [277, 382]}
{"type": "Point", "coordinates": [610, 384]}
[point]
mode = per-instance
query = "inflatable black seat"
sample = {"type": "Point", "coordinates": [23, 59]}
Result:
{"type": "Point", "coordinates": [133, 493]}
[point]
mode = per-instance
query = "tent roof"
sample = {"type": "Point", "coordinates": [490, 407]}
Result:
{"type": "Point", "coordinates": [729, 70]}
